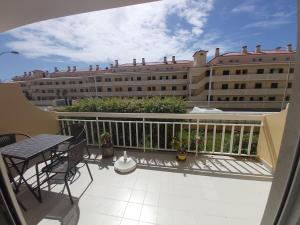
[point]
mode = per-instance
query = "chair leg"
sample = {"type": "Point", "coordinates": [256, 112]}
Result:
{"type": "Point", "coordinates": [87, 166]}
{"type": "Point", "coordinates": [88, 151]}
{"type": "Point", "coordinates": [68, 189]}
{"type": "Point", "coordinates": [22, 206]}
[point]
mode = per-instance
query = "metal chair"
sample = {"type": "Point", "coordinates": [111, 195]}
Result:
{"type": "Point", "coordinates": [8, 139]}
{"type": "Point", "coordinates": [78, 132]}
{"type": "Point", "coordinates": [66, 163]}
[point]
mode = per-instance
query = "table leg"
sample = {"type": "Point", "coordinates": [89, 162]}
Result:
{"type": "Point", "coordinates": [38, 197]}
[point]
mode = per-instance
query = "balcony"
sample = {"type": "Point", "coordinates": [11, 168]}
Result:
{"type": "Point", "coordinates": [225, 180]}
{"type": "Point", "coordinates": [205, 189]}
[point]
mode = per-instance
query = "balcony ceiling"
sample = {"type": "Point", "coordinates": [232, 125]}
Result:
{"type": "Point", "coordinates": [15, 13]}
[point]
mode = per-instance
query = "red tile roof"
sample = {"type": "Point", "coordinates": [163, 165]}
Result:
{"type": "Point", "coordinates": [264, 52]}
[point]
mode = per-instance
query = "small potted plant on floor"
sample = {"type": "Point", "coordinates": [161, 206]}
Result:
{"type": "Point", "coordinates": [106, 145]}
{"type": "Point", "coordinates": [181, 149]}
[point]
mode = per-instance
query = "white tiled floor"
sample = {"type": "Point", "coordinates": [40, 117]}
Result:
{"type": "Point", "coordinates": [156, 196]}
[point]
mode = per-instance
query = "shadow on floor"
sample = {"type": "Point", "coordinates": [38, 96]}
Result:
{"type": "Point", "coordinates": [210, 165]}
{"type": "Point", "coordinates": [55, 206]}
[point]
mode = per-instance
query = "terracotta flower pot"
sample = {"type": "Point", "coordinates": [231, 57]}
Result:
{"type": "Point", "coordinates": [107, 151]}
{"type": "Point", "coordinates": [181, 155]}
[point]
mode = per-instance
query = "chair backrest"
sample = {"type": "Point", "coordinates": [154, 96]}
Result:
{"type": "Point", "coordinates": [78, 132]}
{"type": "Point", "coordinates": [75, 153]}
{"type": "Point", "coordinates": [7, 139]}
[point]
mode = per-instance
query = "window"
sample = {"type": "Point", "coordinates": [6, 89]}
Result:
{"type": "Point", "coordinates": [289, 85]}
{"type": "Point", "coordinates": [98, 79]}
{"type": "Point", "coordinates": [280, 70]}
{"type": "Point", "coordinates": [272, 98]}
{"type": "Point", "coordinates": [206, 86]}
{"type": "Point", "coordinates": [153, 78]}
{"type": "Point", "coordinates": [57, 83]}
{"type": "Point", "coordinates": [245, 71]}
{"type": "Point", "coordinates": [274, 85]}
{"type": "Point", "coordinates": [260, 59]}
{"type": "Point", "coordinates": [63, 82]}
{"type": "Point", "coordinates": [207, 73]}
{"type": "Point", "coordinates": [260, 98]}
{"type": "Point", "coordinates": [139, 88]}
{"type": "Point", "coordinates": [149, 88]}
{"type": "Point", "coordinates": [108, 89]}
{"type": "Point", "coordinates": [126, 78]}
{"type": "Point", "coordinates": [219, 99]}
{"type": "Point", "coordinates": [163, 88]}
{"type": "Point", "coordinates": [185, 76]}
{"type": "Point", "coordinates": [254, 59]}
{"type": "Point", "coordinates": [243, 86]}
{"type": "Point", "coordinates": [174, 88]}
{"type": "Point", "coordinates": [225, 72]}
{"type": "Point", "coordinates": [287, 98]}
{"type": "Point", "coordinates": [79, 82]}
{"type": "Point", "coordinates": [153, 88]}
{"type": "Point", "coordinates": [81, 90]}
{"type": "Point", "coordinates": [220, 61]}
{"type": "Point", "coordinates": [148, 78]}
{"type": "Point", "coordinates": [107, 79]}
{"type": "Point", "coordinates": [291, 70]}
{"type": "Point", "coordinates": [260, 71]}
{"type": "Point", "coordinates": [174, 77]}
{"type": "Point", "coordinates": [251, 98]}
{"type": "Point", "coordinates": [224, 86]}
{"type": "Point", "coordinates": [258, 85]}
{"type": "Point", "coordinates": [235, 98]}
{"type": "Point", "coordinates": [241, 98]}
{"type": "Point", "coordinates": [131, 78]}
{"type": "Point", "coordinates": [274, 59]}
{"type": "Point", "coordinates": [236, 86]}
{"type": "Point", "coordinates": [160, 77]}
{"type": "Point", "coordinates": [184, 87]}
{"type": "Point", "coordinates": [272, 70]}
{"type": "Point", "coordinates": [129, 89]}
{"type": "Point", "coordinates": [138, 78]}
{"type": "Point", "coordinates": [227, 99]}
{"type": "Point", "coordinates": [238, 72]}
{"type": "Point", "coordinates": [99, 89]}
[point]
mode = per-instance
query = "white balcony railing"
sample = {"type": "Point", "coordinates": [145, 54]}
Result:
{"type": "Point", "coordinates": [210, 133]}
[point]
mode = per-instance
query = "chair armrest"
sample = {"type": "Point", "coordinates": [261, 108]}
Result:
{"type": "Point", "coordinates": [21, 134]}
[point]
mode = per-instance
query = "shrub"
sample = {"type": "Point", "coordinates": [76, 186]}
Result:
{"type": "Point", "coordinates": [147, 105]}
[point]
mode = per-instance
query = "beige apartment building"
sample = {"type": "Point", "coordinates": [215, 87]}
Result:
{"type": "Point", "coordinates": [259, 80]}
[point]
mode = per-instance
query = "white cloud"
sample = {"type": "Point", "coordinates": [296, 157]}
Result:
{"type": "Point", "coordinates": [124, 33]}
{"type": "Point", "coordinates": [275, 19]}
{"type": "Point", "coordinates": [244, 7]}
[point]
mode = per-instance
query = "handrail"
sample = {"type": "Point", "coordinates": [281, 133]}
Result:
{"type": "Point", "coordinates": [203, 116]}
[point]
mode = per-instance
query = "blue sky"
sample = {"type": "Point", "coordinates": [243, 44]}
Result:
{"type": "Point", "coordinates": [152, 31]}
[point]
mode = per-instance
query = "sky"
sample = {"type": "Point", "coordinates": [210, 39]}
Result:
{"type": "Point", "coordinates": [151, 30]}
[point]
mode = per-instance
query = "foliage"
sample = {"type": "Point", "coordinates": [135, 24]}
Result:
{"type": "Point", "coordinates": [106, 139]}
{"type": "Point", "coordinates": [147, 105]}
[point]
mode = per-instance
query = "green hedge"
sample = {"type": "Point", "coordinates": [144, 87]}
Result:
{"type": "Point", "coordinates": [147, 105]}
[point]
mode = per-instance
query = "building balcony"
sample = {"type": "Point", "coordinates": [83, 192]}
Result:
{"type": "Point", "coordinates": [225, 180]}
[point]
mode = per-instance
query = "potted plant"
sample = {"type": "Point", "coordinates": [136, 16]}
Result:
{"type": "Point", "coordinates": [181, 149]}
{"type": "Point", "coordinates": [106, 145]}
